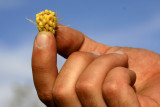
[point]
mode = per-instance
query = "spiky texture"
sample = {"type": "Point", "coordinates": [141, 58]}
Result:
{"type": "Point", "coordinates": [46, 21]}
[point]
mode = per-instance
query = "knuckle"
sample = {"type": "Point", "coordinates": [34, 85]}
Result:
{"type": "Point", "coordinates": [111, 87]}
{"type": "Point", "coordinates": [103, 59]}
{"type": "Point", "coordinates": [77, 55]}
{"type": "Point", "coordinates": [119, 69]}
{"type": "Point", "coordinates": [61, 93]}
{"type": "Point", "coordinates": [84, 88]}
{"type": "Point", "coordinates": [80, 56]}
{"type": "Point", "coordinates": [39, 68]}
{"type": "Point", "coordinates": [45, 97]}
{"type": "Point", "coordinates": [112, 60]}
{"type": "Point", "coordinates": [113, 49]}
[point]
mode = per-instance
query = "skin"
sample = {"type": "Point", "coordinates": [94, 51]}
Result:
{"type": "Point", "coordinates": [94, 74]}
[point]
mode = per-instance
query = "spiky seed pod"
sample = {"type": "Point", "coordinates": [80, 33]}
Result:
{"type": "Point", "coordinates": [46, 21]}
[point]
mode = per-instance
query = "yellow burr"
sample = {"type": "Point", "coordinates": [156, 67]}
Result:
{"type": "Point", "coordinates": [46, 21]}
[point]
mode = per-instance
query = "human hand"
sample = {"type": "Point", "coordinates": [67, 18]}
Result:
{"type": "Point", "coordinates": [89, 79]}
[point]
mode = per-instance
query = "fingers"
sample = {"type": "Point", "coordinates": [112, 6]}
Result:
{"type": "Point", "coordinates": [89, 84]}
{"type": "Point", "coordinates": [64, 89]}
{"type": "Point", "coordinates": [44, 66]}
{"type": "Point", "coordinates": [70, 40]}
{"type": "Point", "coordinates": [117, 88]}
{"type": "Point", "coordinates": [44, 56]}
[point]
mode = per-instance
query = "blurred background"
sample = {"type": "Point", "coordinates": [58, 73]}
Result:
{"type": "Point", "coordinates": [129, 23]}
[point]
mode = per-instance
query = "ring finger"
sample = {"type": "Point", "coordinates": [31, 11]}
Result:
{"type": "Point", "coordinates": [64, 89]}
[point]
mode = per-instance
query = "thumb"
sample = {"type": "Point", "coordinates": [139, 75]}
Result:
{"type": "Point", "coordinates": [44, 60]}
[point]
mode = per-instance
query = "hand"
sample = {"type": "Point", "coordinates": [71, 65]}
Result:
{"type": "Point", "coordinates": [113, 77]}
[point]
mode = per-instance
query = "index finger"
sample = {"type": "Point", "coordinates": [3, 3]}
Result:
{"type": "Point", "coordinates": [70, 40]}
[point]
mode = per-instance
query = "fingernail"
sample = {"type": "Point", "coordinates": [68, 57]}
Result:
{"type": "Point", "coordinates": [119, 52]}
{"type": "Point", "coordinates": [96, 53]}
{"type": "Point", "coordinates": [42, 40]}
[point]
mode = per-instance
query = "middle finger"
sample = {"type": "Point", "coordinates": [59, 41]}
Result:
{"type": "Point", "coordinates": [64, 89]}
